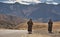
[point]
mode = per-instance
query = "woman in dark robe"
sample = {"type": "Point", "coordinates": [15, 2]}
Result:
{"type": "Point", "coordinates": [30, 23]}
{"type": "Point", "coordinates": [50, 26]}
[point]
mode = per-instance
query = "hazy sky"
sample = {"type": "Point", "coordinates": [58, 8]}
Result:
{"type": "Point", "coordinates": [29, 1]}
{"type": "Point", "coordinates": [21, 1]}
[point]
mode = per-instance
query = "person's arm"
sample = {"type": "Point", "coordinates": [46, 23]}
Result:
{"type": "Point", "coordinates": [52, 22]}
{"type": "Point", "coordinates": [27, 22]}
{"type": "Point", "coordinates": [32, 23]}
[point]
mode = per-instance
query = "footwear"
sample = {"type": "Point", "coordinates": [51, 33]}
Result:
{"type": "Point", "coordinates": [30, 33]}
{"type": "Point", "coordinates": [50, 32]}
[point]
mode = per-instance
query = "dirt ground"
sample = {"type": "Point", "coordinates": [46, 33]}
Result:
{"type": "Point", "coordinates": [24, 33]}
{"type": "Point", "coordinates": [39, 30]}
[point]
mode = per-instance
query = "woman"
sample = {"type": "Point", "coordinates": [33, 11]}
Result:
{"type": "Point", "coordinates": [50, 26]}
{"type": "Point", "coordinates": [30, 23]}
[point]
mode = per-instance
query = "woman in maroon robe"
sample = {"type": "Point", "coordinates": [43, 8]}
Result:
{"type": "Point", "coordinates": [50, 26]}
{"type": "Point", "coordinates": [30, 23]}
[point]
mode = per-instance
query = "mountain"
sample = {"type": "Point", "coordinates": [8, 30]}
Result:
{"type": "Point", "coordinates": [39, 12]}
{"type": "Point", "coordinates": [10, 22]}
{"type": "Point", "coordinates": [43, 1]}
{"type": "Point", "coordinates": [58, 1]}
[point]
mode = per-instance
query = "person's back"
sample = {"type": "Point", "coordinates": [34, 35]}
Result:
{"type": "Point", "coordinates": [50, 22]}
{"type": "Point", "coordinates": [30, 22]}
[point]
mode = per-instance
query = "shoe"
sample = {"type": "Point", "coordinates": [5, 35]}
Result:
{"type": "Point", "coordinates": [29, 33]}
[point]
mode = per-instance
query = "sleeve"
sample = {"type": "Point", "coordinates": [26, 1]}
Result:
{"type": "Point", "coordinates": [52, 22]}
{"type": "Point", "coordinates": [28, 22]}
{"type": "Point", "coordinates": [32, 23]}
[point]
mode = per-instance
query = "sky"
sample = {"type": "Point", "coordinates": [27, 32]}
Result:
{"type": "Point", "coordinates": [31, 1]}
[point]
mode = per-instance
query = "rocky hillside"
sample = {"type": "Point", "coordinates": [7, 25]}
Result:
{"type": "Point", "coordinates": [10, 22]}
{"type": "Point", "coordinates": [39, 12]}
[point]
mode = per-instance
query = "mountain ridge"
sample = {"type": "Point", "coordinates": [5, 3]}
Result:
{"type": "Point", "coordinates": [40, 12]}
